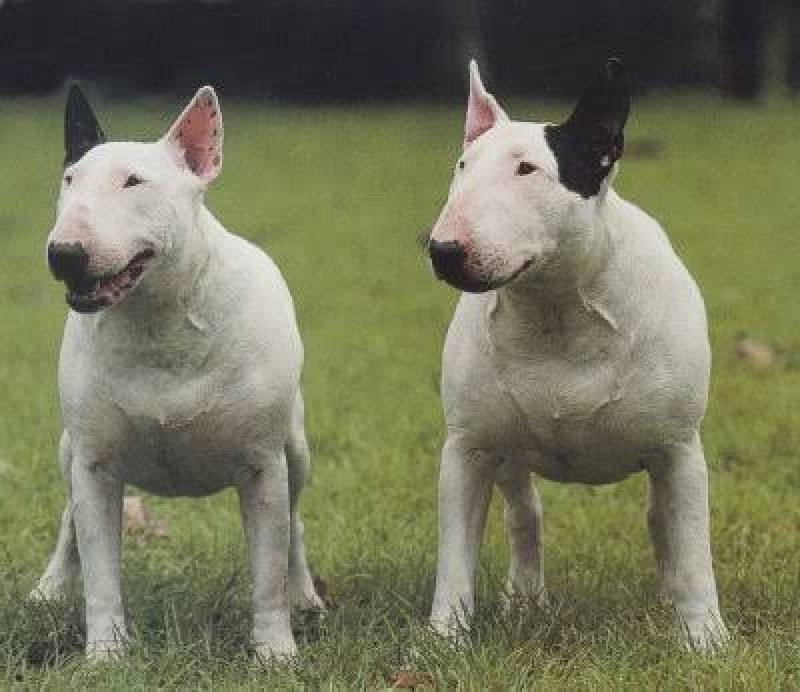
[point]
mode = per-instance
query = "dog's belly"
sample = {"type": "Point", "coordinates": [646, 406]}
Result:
{"type": "Point", "coordinates": [583, 456]}
{"type": "Point", "coordinates": [180, 455]}
{"type": "Point", "coordinates": [174, 464]}
{"type": "Point", "coordinates": [176, 461]}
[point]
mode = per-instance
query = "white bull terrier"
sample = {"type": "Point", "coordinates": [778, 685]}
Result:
{"type": "Point", "coordinates": [179, 369]}
{"type": "Point", "coordinates": [578, 352]}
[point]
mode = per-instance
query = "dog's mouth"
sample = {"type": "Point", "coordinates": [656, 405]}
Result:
{"type": "Point", "coordinates": [469, 284]}
{"type": "Point", "coordinates": [103, 292]}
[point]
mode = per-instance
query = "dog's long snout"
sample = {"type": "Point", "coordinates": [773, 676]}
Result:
{"type": "Point", "coordinates": [68, 261]}
{"type": "Point", "coordinates": [447, 257]}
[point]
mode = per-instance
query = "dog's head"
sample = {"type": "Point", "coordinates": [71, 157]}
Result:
{"type": "Point", "coordinates": [125, 208]}
{"type": "Point", "coordinates": [524, 195]}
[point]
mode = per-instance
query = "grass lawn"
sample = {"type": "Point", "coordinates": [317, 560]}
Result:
{"type": "Point", "coordinates": [338, 198]}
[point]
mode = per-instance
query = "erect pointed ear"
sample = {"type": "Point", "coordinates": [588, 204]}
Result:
{"type": "Point", "coordinates": [196, 136]}
{"type": "Point", "coordinates": [483, 113]}
{"type": "Point", "coordinates": [588, 143]}
{"type": "Point", "coordinates": [604, 106]}
{"type": "Point", "coordinates": [81, 129]}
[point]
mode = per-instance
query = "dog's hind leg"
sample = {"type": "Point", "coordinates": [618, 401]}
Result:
{"type": "Point", "coordinates": [62, 571]}
{"type": "Point", "coordinates": [301, 586]}
{"type": "Point", "coordinates": [523, 520]}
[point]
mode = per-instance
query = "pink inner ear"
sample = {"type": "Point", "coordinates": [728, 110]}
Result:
{"type": "Point", "coordinates": [480, 117]}
{"type": "Point", "coordinates": [198, 134]}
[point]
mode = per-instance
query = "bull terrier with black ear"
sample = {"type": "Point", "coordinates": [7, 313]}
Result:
{"type": "Point", "coordinates": [578, 351]}
{"type": "Point", "coordinates": [179, 369]}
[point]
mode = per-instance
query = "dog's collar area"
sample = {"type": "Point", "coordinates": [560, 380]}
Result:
{"type": "Point", "coordinates": [91, 296]}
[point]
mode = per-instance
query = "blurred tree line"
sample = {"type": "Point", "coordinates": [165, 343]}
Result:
{"type": "Point", "coordinates": [323, 50]}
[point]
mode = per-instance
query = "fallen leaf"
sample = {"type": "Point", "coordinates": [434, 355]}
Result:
{"type": "Point", "coordinates": [138, 522]}
{"type": "Point", "coordinates": [133, 511]}
{"type": "Point", "coordinates": [759, 355]}
{"type": "Point", "coordinates": [409, 679]}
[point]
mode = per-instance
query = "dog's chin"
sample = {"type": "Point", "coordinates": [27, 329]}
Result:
{"type": "Point", "coordinates": [470, 284]}
{"type": "Point", "coordinates": [108, 290]}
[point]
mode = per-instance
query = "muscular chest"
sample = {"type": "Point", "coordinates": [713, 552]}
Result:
{"type": "Point", "coordinates": [171, 432]}
{"type": "Point", "coordinates": [578, 405]}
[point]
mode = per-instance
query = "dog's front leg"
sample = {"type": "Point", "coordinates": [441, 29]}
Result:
{"type": "Point", "coordinates": [679, 528]}
{"type": "Point", "coordinates": [264, 503]}
{"type": "Point", "coordinates": [465, 488]}
{"type": "Point", "coordinates": [97, 513]}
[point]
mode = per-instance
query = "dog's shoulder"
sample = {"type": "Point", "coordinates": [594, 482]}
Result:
{"type": "Point", "coordinates": [653, 295]}
{"type": "Point", "coordinates": [239, 261]}
{"type": "Point", "coordinates": [644, 261]}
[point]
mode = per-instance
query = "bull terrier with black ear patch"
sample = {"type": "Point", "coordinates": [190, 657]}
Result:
{"type": "Point", "coordinates": [179, 368]}
{"type": "Point", "coordinates": [578, 351]}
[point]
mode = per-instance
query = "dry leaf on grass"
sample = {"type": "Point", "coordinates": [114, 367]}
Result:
{"type": "Point", "coordinates": [409, 679]}
{"type": "Point", "coordinates": [759, 355]}
{"type": "Point", "coordinates": [138, 522]}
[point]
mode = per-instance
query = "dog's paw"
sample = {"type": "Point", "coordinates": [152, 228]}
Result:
{"type": "Point", "coordinates": [453, 628]}
{"type": "Point", "coordinates": [41, 594]}
{"type": "Point", "coordinates": [48, 591]}
{"type": "Point", "coordinates": [105, 650]}
{"type": "Point", "coordinates": [707, 635]}
{"type": "Point", "coordinates": [513, 598]}
{"type": "Point", "coordinates": [278, 651]}
{"type": "Point", "coordinates": [307, 601]}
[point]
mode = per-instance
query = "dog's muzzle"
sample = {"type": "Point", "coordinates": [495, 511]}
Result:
{"type": "Point", "coordinates": [449, 260]}
{"type": "Point", "coordinates": [69, 263]}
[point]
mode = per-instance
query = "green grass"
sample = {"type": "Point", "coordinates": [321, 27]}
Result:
{"type": "Point", "coordinates": [338, 198]}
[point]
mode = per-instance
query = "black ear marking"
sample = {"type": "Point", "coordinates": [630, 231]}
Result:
{"type": "Point", "coordinates": [588, 143]}
{"type": "Point", "coordinates": [81, 129]}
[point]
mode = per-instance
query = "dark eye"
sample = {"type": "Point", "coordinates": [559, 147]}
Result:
{"type": "Point", "coordinates": [461, 164]}
{"type": "Point", "coordinates": [133, 180]}
{"type": "Point", "coordinates": [68, 179]}
{"type": "Point", "coordinates": [525, 168]}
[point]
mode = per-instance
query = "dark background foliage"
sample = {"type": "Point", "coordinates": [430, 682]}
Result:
{"type": "Point", "coordinates": [344, 50]}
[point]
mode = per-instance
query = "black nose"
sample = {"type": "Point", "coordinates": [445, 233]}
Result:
{"type": "Point", "coordinates": [447, 257]}
{"type": "Point", "coordinates": [68, 261]}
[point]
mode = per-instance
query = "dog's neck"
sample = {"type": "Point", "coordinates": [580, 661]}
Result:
{"type": "Point", "coordinates": [562, 298]}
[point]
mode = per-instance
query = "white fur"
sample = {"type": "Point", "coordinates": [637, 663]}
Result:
{"type": "Point", "coordinates": [590, 365]}
{"type": "Point", "coordinates": [188, 385]}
